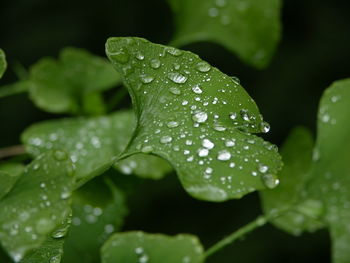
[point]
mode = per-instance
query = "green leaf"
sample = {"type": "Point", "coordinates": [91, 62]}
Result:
{"type": "Point", "coordinates": [136, 247]}
{"type": "Point", "coordinates": [52, 249]}
{"type": "Point", "coordinates": [9, 174]}
{"type": "Point", "coordinates": [37, 205]}
{"type": "Point", "coordinates": [93, 143]}
{"type": "Point", "coordinates": [197, 118]}
{"type": "Point", "coordinates": [249, 28]}
{"type": "Point", "coordinates": [3, 63]}
{"type": "Point", "coordinates": [330, 170]}
{"type": "Point", "coordinates": [59, 86]}
{"type": "Point", "coordinates": [297, 212]}
{"type": "Point", "coordinates": [98, 210]}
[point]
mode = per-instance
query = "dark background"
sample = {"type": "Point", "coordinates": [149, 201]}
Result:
{"type": "Point", "coordinates": [314, 51]}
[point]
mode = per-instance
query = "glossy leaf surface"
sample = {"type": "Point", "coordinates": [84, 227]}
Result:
{"type": "Point", "coordinates": [197, 118]}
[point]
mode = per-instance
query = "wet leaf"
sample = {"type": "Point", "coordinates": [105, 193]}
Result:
{"type": "Point", "coordinates": [9, 174]}
{"type": "Point", "coordinates": [249, 28]}
{"type": "Point", "coordinates": [330, 181]}
{"type": "Point", "coordinates": [139, 247]}
{"type": "Point", "coordinates": [93, 144]}
{"type": "Point", "coordinates": [98, 210]}
{"type": "Point", "coordinates": [61, 86]}
{"type": "Point", "coordinates": [197, 118]}
{"type": "Point", "coordinates": [298, 212]}
{"type": "Point", "coordinates": [37, 205]}
{"type": "Point", "coordinates": [3, 64]}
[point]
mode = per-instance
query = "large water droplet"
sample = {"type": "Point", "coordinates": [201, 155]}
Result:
{"type": "Point", "coordinates": [236, 80]}
{"type": "Point", "coordinates": [166, 139]}
{"type": "Point", "coordinates": [175, 90]}
{"type": "Point", "coordinates": [208, 144]}
{"type": "Point", "coordinates": [177, 77]}
{"type": "Point", "coordinates": [263, 168]}
{"type": "Point", "coordinates": [270, 180]}
{"type": "Point", "coordinates": [202, 152]}
{"type": "Point", "coordinates": [224, 155]}
{"type": "Point", "coordinates": [264, 127]}
{"type": "Point", "coordinates": [140, 56]}
{"type": "Point", "coordinates": [155, 63]}
{"type": "Point", "coordinates": [174, 51]}
{"type": "Point", "coordinates": [203, 66]}
{"type": "Point", "coordinates": [60, 155]}
{"type": "Point", "coordinates": [147, 149]}
{"type": "Point", "coordinates": [172, 124]}
{"type": "Point", "coordinates": [146, 78]}
{"type": "Point", "coordinates": [245, 115]}
{"type": "Point", "coordinates": [200, 117]}
{"type": "Point", "coordinates": [196, 89]}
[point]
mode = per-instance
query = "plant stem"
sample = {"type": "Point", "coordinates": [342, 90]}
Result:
{"type": "Point", "coordinates": [258, 222]}
{"type": "Point", "coordinates": [12, 151]}
{"type": "Point", "coordinates": [12, 89]}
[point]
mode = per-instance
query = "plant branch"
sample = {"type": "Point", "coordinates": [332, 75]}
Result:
{"type": "Point", "coordinates": [258, 222]}
{"type": "Point", "coordinates": [12, 151]}
{"type": "Point", "coordinates": [12, 89]}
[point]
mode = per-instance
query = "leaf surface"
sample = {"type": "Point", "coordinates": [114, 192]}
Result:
{"type": "Point", "coordinates": [9, 174]}
{"type": "Point", "coordinates": [37, 205]}
{"type": "Point", "coordinates": [63, 85]}
{"type": "Point", "coordinates": [249, 28]}
{"type": "Point", "coordinates": [136, 247]}
{"type": "Point", "coordinates": [197, 118]}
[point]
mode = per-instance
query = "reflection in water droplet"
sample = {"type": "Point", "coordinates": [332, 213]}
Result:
{"type": "Point", "coordinates": [208, 144]}
{"type": "Point", "coordinates": [146, 78]}
{"type": "Point", "coordinates": [196, 89]}
{"type": "Point", "coordinates": [177, 77]}
{"type": "Point", "coordinates": [224, 155]}
{"type": "Point", "coordinates": [202, 152]}
{"type": "Point", "coordinates": [264, 127]}
{"type": "Point", "coordinates": [200, 117]}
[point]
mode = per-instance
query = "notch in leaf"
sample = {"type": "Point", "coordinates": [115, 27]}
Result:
{"type": "Point", "coordinates": [197, 118]}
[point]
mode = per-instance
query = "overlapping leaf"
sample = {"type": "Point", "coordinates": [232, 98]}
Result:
{"type": "Point", "coordinates": [98, 210]}
{"type": "Point", "coordinates": [197, 118]}
{"type": "Point", "coordinates": [249, 28]}
{"type": "Point", "coordinates": [9, 174]}
{"type": "Point", "coordinates": [3, 63]}
{"type": "Point", "coordinates": [67, 84]}
{"type": "Point", "coordinates": [37, 205]}
{"type": "Point", "coordinates": [297, 213]}
{"type": "Point", "coordinates": [136, 247]}
{"type": "Point", "coordinates": [93, 144]}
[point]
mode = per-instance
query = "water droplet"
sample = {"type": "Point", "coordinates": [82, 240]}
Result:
{"type": "Point", "coordinates": [140, 56]}
{"type": "Point", "coordinates": [224, 155]}
{"type": "Point", "coordinates": [219, 127]}
{"type": "Point", "coordinates": [270, 181]}
{"type": "Point", "coordinates": [55, 259]}
{"type": "Point", "coordinates": [155, 63]}
{"type": "Point", "coordinates": [208, 144]}
{"type": "Point", "coordinates": [177, 77]}
{"type": "Point", "coordinates": [146, 78]}
{"type": "Point", "coordinates": [197, 90]}
{"type": "Point", "coordinates": [166, 139]}
{"type": "Point", "coordinates": [139, 250]}
{"type": "Point", "coordinates": [264, 127]}
{"type": "Point", "coordinates": [61, 232]}
{"type": "Point", "coordinates": [229, 143]}
{"type": "Point", "coordinates": [200, 117]}
{"type": "Point", "coordinates": [174, 51]}
{"type": "Point", "coordinates": [202, 152]}
{"type": "Point", "coordinates": [147, 149]}
{"type": "Point", "coordinates": [143, 259]}
{"type": "Point", "coordinates": [172, 124]}
{"type": "Point", "coordinates": [203, 66]}
{"type": "Point", "coordinates": [220, 3]}
{"type": "Point", "coordinates": [245, 115]}
{"type": "Point", "coordinates": [121, 56]}
{"type": "Point", "coordinates": [325, 118]}
{"type": "Point", "coordinates": [175, 90]}
{"type": "Point", "coordinates": [263, 168]}
{"type": "Point", "coordinates": [233, 116]}
{"type": "Point", "coordinates": [236, 80]}
{"type": "Point", "coordinates": [60, 155]}
{"type": "Point", "coordinates": [44, 225]}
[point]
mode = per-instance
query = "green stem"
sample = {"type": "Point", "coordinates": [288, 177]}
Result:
{"type": "Point", "coordinates": [258, 222]}
{"type": "Point", "coordinates": [12, 89]}
{"type": "Point", "coordinates": [12, 151]}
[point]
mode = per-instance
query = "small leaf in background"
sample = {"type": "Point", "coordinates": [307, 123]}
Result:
{"type": "Point", "coordinates": [37, 205]}
{"type": "Point", "coordinates": [249, 28]}
{"type": "Point", "coordinates": [330, 171]}
{"type": "Point", "coordinates": [60, 86]}
{"type": "Point", "coordinates": [3, 64]}
{"type": "Point", "coordinates": [98, 210]}
{"type": "Point", "coordinates": [9, 174]}
{"type": "Point", "coordinates": [139, 247]}
{"type": "Point", "coordinates": [297, 212]}
{"type": "Point", "coordinates": [197, 118]}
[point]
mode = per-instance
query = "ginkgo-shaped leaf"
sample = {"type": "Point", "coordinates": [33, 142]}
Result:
{"type": "Point", "coordinates": [330, 172]}
{"type": "Point", "coordinates": [3, 63]}
{"type": "Point", "coordinates": [139, 247]}
{"type": "Point", "coordinates": [197, 118]}
{"type": "Point", "coordinates": [63, 85]}
{"type": "Point", "coordinates": [295, 213]}
{"type": "Point", "coordinates": [249, 28]}
{"type": "Point", "coordinates": [93, 144]}
{"type": "Point", "coordinates": [9, 174]}
{"type": "Point", "coordinates": [98, 210]}
{"type": "Point", "coordinates": [37, 205]}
